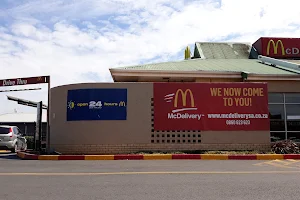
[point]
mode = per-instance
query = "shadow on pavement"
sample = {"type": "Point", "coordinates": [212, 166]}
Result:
{"type": "Point", "coordinates": [9, 156]}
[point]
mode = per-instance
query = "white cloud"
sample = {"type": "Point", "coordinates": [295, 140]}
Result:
{"type": "Point", "coordinates": [76, 41]}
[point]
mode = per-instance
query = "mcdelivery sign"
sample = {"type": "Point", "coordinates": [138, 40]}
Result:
{"type": "Point", "coordinates": [180, 112]}
{"type": "Point", "coordinates": [278, 47]}
{"type": "Point", "coordinates": [210, 106]}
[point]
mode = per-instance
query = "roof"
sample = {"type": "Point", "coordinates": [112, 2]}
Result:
{"type": "Point", "coordinates": [21, 117]}
{"type": "Point", "coordinates": [211, 60]}
{"type": "Point", "coordinates": [252, 66]}
{"type": "Point", "coordinates": [219, 50]}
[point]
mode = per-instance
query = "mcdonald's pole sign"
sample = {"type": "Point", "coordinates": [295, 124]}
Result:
{"type": "Point", "coordinates": [24, 81]}
{"type": "Point", "coordinates": [275, 47]}
{"type": "Point", "coordinates": [210, 106]}
{"type": "Point", "coordinates": [278, 47]}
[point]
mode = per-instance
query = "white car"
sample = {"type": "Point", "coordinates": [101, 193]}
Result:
{"type": "Point", "coordinates": [12, 139]}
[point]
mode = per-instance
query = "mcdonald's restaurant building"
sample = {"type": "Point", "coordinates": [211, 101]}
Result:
{"type": "Point", "coordinates": [227, 96]}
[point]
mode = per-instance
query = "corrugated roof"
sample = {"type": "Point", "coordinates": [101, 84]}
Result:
{"type": "Point", "coordinates": [215, 50]}
{"type": "Point", "coordinates": [21, 117]}
{"type": "Point", "coordinates": [219, 65]}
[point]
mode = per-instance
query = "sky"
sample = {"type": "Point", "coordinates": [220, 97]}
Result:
{"type": "Point", "coordinates": [76, 41]}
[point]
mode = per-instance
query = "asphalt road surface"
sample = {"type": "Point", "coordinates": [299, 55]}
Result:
{"type": "Point", "coordinates": [145, 180]}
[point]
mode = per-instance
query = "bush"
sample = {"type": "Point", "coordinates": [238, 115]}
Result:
{"type": "Point", "coordinates": [285, 147]}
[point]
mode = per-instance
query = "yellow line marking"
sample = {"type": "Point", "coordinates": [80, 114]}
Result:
{"type": "Point", "coordinates": [280, 163]}
{"type": "Point", "coordinates": [272, 163]}
{"type": "Point", "coordinates": [294, 161]}
{"type": "Point", "coordinates": [258, 164]}
{"type": "Point", "coordinates": [287, 162]}
{"type": "Point", "coordinates": [147, 173]}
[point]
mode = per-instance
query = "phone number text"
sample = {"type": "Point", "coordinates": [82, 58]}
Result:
{"type": "Point", "coordinates": [238, 122]}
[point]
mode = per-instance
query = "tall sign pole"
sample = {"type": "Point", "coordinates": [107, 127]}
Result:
{"type": "Point", "coordinates": [48, 118]}
{"type": "Point", "coordinates": [38, 132]}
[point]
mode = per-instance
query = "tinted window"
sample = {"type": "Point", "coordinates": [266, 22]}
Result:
{"type": "Point", "coordinates": [276, 111]}
{"type": "Point", "coordinates": [293, 117]}
{"type": "Point", "coordinates": [293, 125]}
{"type": "Point", "coordinates": [294, 136]}
{"type": "Point", "coordinates": [4, 130]}
{"type": "Point", "coordinates": [292, 98]}
{"type": "Point", "coordinates": [277, 125]}
{"type": "Point", "coordinates": [275, 136]}
{"type": "Point", "coordinates": [275, 97]}
{"type": "Point", "coordinates": [293, 111]}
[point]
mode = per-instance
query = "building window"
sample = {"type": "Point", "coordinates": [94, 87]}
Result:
{"type": "Point", "coordinates": [275, 136]}
{"type": "Point", "coordinates": [292, 98]}
{"type": "Point", "coordinates": [277, 125]}
{"type": "Point", "coordinates": [275, 97]}
{"type": "Point", "coordinates": [295, 136]}
{"type": "Point", "coordinates": [284, 110]}
{"type": "Point", "coordinates": [293, 117]}
{"type": "Point", "coordinates": [276, 111]}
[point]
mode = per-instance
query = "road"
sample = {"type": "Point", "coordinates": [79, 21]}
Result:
{"type": "Point", "coordinates": [147, 180]}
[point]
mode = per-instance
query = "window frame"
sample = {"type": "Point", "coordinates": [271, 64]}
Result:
{"type": "Point", "coordinates": [284, 103]}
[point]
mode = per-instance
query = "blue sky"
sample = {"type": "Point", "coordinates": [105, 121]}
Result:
{"type": "Point", "coordinates": [79, 40]}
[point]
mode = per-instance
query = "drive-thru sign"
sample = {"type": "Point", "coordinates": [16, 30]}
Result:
{"type": "Point", "coordinates": [30, 81]}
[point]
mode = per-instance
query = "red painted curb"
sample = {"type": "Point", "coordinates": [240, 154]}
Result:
{"type": "Point", "coordinates": [128, 157]}
{"type": "Point", "coordinates": [71, 157]}
{"type": "Point", "coordinates": [28, 156]}
{"type": "Point", "coordinates": [291, 156]}
{"type": "Point", "coordinates": [242, 157]}
{"type": "Point", "coordinates": [186, 156]}
{"type": "Point", "coordinates": [31, 157]}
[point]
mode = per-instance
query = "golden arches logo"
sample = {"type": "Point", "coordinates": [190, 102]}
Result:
{"type": "Point", "coordinates": [122, 103]}
{"type": "Point", "coordinates": [275, 47]}
{"type": "Point", "coordinates": [184, 97]}
{"type": "Point", "coordinates": [39, 78]}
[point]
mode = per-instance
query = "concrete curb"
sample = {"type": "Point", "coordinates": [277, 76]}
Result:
{"type": "Point", "coordinates": [28, 156]}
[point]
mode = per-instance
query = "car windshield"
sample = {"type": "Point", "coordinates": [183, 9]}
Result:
{"type": "Point", "coordinates": [4, 130]}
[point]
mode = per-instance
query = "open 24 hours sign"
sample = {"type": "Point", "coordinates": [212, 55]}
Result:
{"type": "Point", "coordinates": [211, 106]}
{"type": "Point", "coordinates": [97, 104]}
